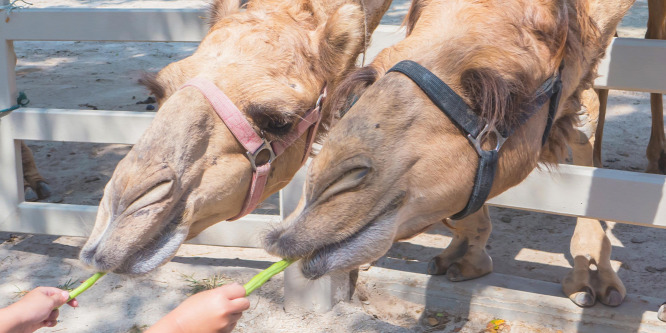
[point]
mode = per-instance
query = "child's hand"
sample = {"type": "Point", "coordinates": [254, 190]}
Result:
{"type": "Point", "coordinates": [36, 309]}
{"type": "Point", "coordinates": [215, 310]}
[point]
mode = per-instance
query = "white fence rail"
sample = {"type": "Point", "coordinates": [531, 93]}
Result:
{"type": "Point", "coordinates": [629, 197]}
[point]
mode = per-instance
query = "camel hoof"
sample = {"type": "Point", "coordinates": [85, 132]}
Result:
{"type": "Point", "coordinates": [29, 194]}
{"type": "Point", "coordinates": [583, 298]}
{"type": "Point", "coordinates": [613, 297]}
{"type": "Point", "coordinates": [433, 267]}
{"type": "Point", "coordinates": [661, 314]}
{"type": "Point", "coordinates": [454, 274]}
{"type": "Point", "coordinates": [43, 190]}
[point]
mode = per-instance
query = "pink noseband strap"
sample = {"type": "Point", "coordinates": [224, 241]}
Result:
{"type": "Point", "coordinates": [253, 143]}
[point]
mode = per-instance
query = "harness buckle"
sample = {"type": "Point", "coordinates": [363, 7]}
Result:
{"type": "Point", "coordinates": [320, 99]}
{"type": "Point", "coordinates": [483, 135]}
{"type": "Point", "coordinates": [256, 160]}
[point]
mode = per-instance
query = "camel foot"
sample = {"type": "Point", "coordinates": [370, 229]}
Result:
{"type": "Point", "coordinates": [460, 268]}
{"type": "Point", "coordinates": [612, 297]}
{"type": "Point", "coordinates": [584, 288]}
{"type": "Point", "coordinates": [584, 297]}
{"type": "Point", "coordinates": [29, 194]}
{"type": "Point", "coordinates": [43, 190]}
{"type": "Point", "coordinates": [661, 314]}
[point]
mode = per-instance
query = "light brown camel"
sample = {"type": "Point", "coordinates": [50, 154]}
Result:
{"type": "Point", "coordinates": [35, 186]}
{"type": "Point", "coordinates": [590, 245]}
{"type": "Point", "coordinates": [395, 164]}
{"type": "Point", "coordinates": [188, 171]}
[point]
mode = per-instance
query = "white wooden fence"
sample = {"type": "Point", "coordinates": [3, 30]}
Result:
{"type": "Point", "coordinates": [631, 64]}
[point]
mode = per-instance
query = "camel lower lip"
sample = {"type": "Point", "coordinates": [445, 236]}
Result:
{"type": "Point", "coordinates": [369, 243]}
{"type": "Point", "coordinates": [157, 252]}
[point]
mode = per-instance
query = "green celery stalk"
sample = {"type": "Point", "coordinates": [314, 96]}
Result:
{"type": "Point", "coordinates": [261, 278]}
{"type": "Point", "coordinates": [85, 285]}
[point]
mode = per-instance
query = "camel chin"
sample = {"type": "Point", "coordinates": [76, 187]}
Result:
{"type": "Point", "coordinates": [365, 246]}
{"type": "Point", "coordinates": [104, 256]}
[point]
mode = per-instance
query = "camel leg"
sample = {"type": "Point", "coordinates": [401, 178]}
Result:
{"type": "Point", "coordinates": [592, 276]}
{"type": "Point", "coordinates": [466, 258]}
{"type": "Point", "coordinates": [598, 137]}
{"type": "Point", "coordinates": [34, 184]}
{"type": "Point", "coordinates": [656, 29]}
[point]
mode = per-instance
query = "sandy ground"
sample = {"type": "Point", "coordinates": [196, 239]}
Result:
{"type": "Point", "coordinates": [91, 75]}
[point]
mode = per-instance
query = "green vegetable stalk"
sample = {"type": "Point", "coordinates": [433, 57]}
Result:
{"type": "Point", "coordinates": [261, 278]}
{"type": "Point", "coordinates": [85, 285]}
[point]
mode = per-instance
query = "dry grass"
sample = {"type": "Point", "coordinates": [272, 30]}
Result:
{"type": "Point", "coordinates": [212, 282]}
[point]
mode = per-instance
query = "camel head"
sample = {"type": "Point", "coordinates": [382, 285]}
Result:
{"type": "Point", "coordinates": [188, 171]}
{"type": "Point", "coordinates": [394, 163]}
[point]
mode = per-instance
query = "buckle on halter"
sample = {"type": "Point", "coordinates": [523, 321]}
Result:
{"type": "Point", "coordinates": [259, 159]}
{"type": "Point", "coordinates": [483, 135]}
{"type": "Point", "coordinates": [320, 99]}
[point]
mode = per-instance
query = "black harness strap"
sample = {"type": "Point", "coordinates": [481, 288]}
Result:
{"type": "Point", "coordinates": [475, 128]}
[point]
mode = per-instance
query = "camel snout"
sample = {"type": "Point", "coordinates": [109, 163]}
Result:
{"type": "Point", "coordinates": [286, 244]}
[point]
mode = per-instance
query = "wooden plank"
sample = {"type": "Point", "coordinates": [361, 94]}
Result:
{"type": "Point", "coordinates": [634, 64]}
{"type": "Point", "coordinates": [78, 221]}
{"type": "Point", "coordinates": [107, 24]}
{"type": "Point", "coordinates": [514, 298]}
{"type": "Point", "coordinates": [621, 196]}
{"type": "Point", "coordinates": [79, 125]}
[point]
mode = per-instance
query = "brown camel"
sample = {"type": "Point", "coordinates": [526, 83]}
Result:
{"type": "Point", "coordinates": [35, 186]}
{"type": "Point", "coordinates": [590, 246]}
{"type": "Point", "coordinates": [188, 171]}
{"type": "Point", "coordinates": [395, 163]}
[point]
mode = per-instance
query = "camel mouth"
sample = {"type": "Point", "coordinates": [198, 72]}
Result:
{"type": "Point", "coordinates": [369, 243]}
{"type": "Point", "coordinates": [147, 258]}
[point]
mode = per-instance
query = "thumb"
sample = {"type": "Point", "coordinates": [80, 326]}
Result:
{"type": "Point", "coordinates": [58, 296]}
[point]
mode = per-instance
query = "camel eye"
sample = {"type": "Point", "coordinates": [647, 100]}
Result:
{"type": "Point", "coordinates": [278, 127]}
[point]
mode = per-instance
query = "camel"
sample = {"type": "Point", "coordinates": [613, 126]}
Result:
{"type": "Point", "coordinates": [35, 186]}
{"type": "Point", "coordinates": [257, 80]}
{"type": "Point", "coordinates": [590, 246]}
{"type": "Point", "coordinates": [396, 163]}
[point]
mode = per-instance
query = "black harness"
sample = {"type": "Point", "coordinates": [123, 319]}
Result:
{"type": "Point", "coordinates": [475, 128]}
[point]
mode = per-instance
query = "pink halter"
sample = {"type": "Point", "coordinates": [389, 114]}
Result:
{"type": "Point", "coordinates": [253, 143]}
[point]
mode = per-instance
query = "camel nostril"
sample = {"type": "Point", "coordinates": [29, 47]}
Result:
{"type": "Point", "coordinates": [140, 199]}
{"type": "Point", "coordinates": [348, 180]}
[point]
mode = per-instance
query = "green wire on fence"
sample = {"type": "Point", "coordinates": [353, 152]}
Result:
{"type": "Point", "coordinates": [21, 100]}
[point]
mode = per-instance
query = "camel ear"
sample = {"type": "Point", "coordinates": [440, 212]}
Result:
{"type": "Point", "coordinates": [221, 8]}
{"type": "Point", "coordinates": [341, 40]}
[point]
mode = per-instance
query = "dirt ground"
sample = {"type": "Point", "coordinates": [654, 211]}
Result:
{"type": "Point", "coordinates": [95, 75]}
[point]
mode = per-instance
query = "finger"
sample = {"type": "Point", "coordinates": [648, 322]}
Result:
{"type": "Point", "coordinates": [73, 303]}
{"type": "Point", "coordinates": [58, 295]}
{"type": "Point", "coordinates": [229, 328]}
{"type": "Point", "coordinates": [233, 317]}
{"type": "Point", "coordinates": [232, 291]}
{"type": "Point", "coordinates": [53, 316]}
{"type": "Point", "coordinates": [49, 323]}
{"type": "Point", "coordinates": [239, 304]}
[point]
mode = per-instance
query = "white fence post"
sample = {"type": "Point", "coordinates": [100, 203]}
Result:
{"type": "Point", "coordinates": [299, 292]}
{"type": "Point", "coordinates": [11, 186]}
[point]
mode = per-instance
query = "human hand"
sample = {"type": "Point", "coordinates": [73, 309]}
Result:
{"type": "Point", "coordinates": [216, 310]}
{"type": "Point", "coordinates": [36, 309]}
